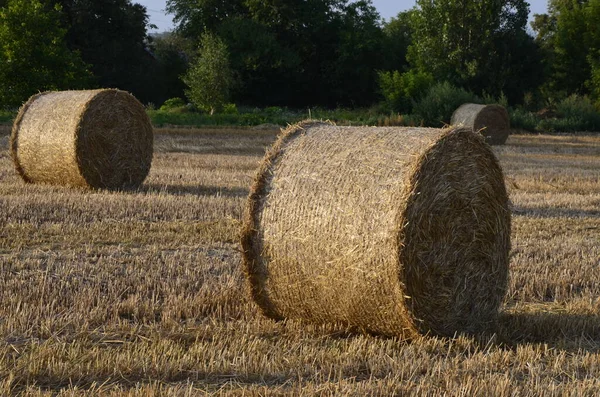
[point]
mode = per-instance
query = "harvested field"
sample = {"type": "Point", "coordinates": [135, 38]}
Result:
{"type": "Point", "coordinates": [142, 292]}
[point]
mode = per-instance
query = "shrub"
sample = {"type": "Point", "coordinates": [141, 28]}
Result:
{"type": "Point", "coordinates": [174, 104]}
{"type": "Point", "coordinates": [575, 113]}
{"type": "Point", "coordinates": [401, 90]}
{"type": "Point", "coordinates": [6, 116]}
{"type": "Point", "coordinates": [230, 108]}
{"type": "Point", "coordinates": [441, 100]}
{"type": "Point", "coordinates": [522, 119]}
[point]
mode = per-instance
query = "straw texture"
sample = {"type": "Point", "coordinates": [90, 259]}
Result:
{"type": "Point", "coordinates": [97, 139]}
{"type": "Point", "coordinates": [392, 231]}
{"type": "Point", "coordinates": [491, 120]}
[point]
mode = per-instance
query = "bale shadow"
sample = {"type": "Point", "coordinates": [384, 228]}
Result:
{"type": "Point", "coordinates": [199, 190]}
{"type": "Point", "coordinates": [555, 212]}
{"type": "Point", "coordinates": [560, 330]}
{"type": "Point", "coordinates": [204, 381]}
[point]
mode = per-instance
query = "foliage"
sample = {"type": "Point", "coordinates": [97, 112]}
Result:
{"type": "Point", "coordinates": [570, 37]}
{"type": "Point", "coordinates": [33, 54]}
{"type": "Point", "coordinates": [401, 90]}
{"type": "Point", "coordinates": [174, 105]}
{"type": "Point", "coordinates": [194, 17]}
{"type": "Point", "coordinates": [6, 116]}
{"type": "Point", "coordinates": [479, 45]}
{"type": "Point", "coordinates": [111, 36]}
{"type": "Point", "coordinates": [436, 107]}
{"type": "Point", "coordinates": [313, 52]}
{"type": "Point", "coordinates": [209, 78]}
{"type": "Point", "coordinates": [172, 53]}
{"type": "Point", "coordinates": [230, 108]}
{"type": "Point", "coordinates": [521, 119]}
{"type": "Point", "coordinates": [397, 38]}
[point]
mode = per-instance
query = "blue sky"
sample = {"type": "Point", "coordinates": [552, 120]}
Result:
{"type": "Point", "coordinates": [387, 9]}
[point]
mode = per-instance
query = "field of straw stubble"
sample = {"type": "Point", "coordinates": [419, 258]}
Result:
{"type": "Point", "coordinates": [141, 293]}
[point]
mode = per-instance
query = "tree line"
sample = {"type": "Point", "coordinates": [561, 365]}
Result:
{"type": "Point", "coordinates": [326, 53]}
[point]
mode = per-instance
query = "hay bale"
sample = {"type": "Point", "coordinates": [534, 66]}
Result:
{"type": "Point", "coordinates": [97, 138]}
{"type": "Point", "coordinates": [491, 120]}
{"type": "Point", "coordinates": [394, 231]}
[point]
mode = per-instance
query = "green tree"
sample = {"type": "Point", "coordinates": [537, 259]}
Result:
{"type": "Point", "coordinates": [295, 53]}
{"type": "Point", "coordinates": [111, 36]}
{"type": "Point", "coordinates": [33, 54]}
{"type": "Point", "coordinates": [397, 38]}
{"type": "Point", "coordinates": [209, 78]}
{"type": "Point", "coordinates": [172, 53]}
{"type": "Point", "coordinates": [194, 17]}
{"type": "Point", "coordinates": [570, 36]}
{"type": "Point", "coordinates": [472, 43]}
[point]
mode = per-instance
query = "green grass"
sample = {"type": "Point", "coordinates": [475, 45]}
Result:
{"type": "Point", "coordinates": [275, 115]}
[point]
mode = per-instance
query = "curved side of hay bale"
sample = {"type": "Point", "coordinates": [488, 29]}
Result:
{"type": "Point", "coordinates": [492, 120]}
{"type": "Point", "coordinates": [393, 231]}
{"type": "Point", "coordinates": [95, 138]}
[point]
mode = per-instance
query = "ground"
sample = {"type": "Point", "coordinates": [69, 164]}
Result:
{"type": "Point", "coordinates": [142, 293]}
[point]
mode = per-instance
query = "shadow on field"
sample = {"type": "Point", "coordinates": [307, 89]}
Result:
{"type": "Point", "coordinates": [555, 212]}
{"type": "Point", "coordinates": [199, 190]}
{"type": "Point", "coordinates": [205, 382]}
{"type": "Point", "coordinates": [560, 330]}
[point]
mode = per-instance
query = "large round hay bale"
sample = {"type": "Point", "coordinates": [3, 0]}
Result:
{"type": "Point", "coordinates": [96, 138]}
{"type": "Point", "coordinates": [393, 231]}
{"type": "Point", "coordinates": [491, 120]}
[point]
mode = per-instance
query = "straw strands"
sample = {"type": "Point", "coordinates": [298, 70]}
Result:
{"type": "Point", "coordinates": [392, 231]}
{"type": "Point", "coordinates": [97, 139]}
{"type": "Point", "coordinates": [491, 120]}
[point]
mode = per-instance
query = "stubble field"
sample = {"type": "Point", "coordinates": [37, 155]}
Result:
{"type": "Point", "coordinates": [142, 293]}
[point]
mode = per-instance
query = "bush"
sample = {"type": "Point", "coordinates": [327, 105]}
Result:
{"type": "Point", "coordinates": [577, 107]}
{"type": "Point", "coordinates": [401, 90]}
{"type": "Point", "coordinates": [6, 116]}
{"type": "Point", "coordinates": [174, 105]}
{"type": "Point", "coordinates": [230, 108]}
{"type": "Point", "coordinates": [523, 119]}
{"type": "Point", "coordinates": [575, 113]}
{"type": "Point", "coordinates": [441, 100]}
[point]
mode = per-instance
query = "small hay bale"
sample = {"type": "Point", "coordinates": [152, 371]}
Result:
{"type": "Point", "coordinates": [96, 138]}
{"type": "Point", "coordinates": [491, 120]}
{"type": "Point", "coordinates": [393, 231]}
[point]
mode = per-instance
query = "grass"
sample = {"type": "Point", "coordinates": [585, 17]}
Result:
{"type": "Point", "coordinates": [276, 116]}
{"type": "Point", "coordinates": [141, 293]}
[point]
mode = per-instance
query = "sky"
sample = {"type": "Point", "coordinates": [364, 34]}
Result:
{"type": "Point", "coordinates": [386, 8]}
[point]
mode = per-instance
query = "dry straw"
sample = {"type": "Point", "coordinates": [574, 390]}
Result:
{"type": "Point", "coordinates": [392, 231]}
{"type": "Point", "coordinates": [491, 120]}
{"type": "Point", "coordinates": [98, 139]}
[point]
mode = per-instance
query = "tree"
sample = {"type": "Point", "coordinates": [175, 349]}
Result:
{"type": "Point", "coordinates": [33, 54]}
{"type": "Point", "coordinates": [194, 17]}
{"type": "Point", "coordinates": [357, 56]}
{"type": "Point", "coordinates": [173, 54]}
{"type": "Point", "coordinates": [295, 53]}
{"type": "Point", "coordinates": [397, 38]}
{"type": "Point", "coordinates": [471, 43]}
{"type": "Point", "coordinates": [111, 36]}
{"type": "Point", "coordinates": [209, 78]}
{"type": "Point", "coordinates": [570, 36]}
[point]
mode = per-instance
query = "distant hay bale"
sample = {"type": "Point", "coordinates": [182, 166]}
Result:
{"type": "Point", "coordinates": [97, 139]}
{"type": "Point", "coordinates": [491, 120]}
{"type": "Point", "coordinates": [393, 231]}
